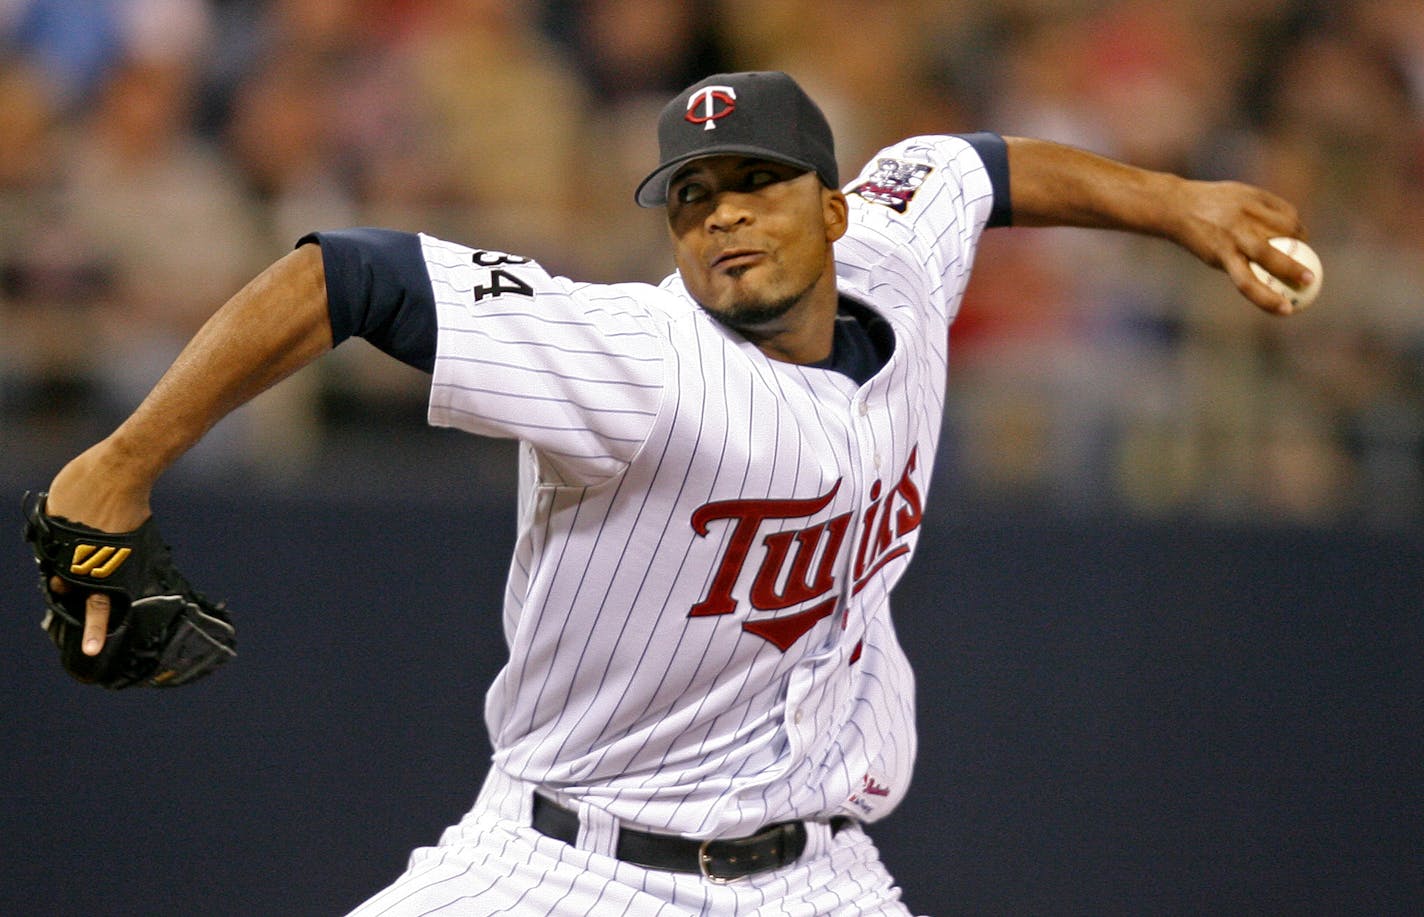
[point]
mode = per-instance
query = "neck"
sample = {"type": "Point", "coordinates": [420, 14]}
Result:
{"type": "Point", "coordinates": [804, 332]}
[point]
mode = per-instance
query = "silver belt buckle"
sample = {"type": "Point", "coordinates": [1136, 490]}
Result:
{"type": "Point", "coordinates": [704, 860]}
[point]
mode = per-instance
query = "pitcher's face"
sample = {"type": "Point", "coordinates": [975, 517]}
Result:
{"type": "Point", "coordinates": [752, 238]}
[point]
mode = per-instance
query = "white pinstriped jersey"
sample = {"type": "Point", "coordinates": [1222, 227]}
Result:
{"type": "Point", "coordinates": [698, 607]}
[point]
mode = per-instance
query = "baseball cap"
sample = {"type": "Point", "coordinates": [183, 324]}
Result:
{"type": "Point", "coordinates": [762, 114]}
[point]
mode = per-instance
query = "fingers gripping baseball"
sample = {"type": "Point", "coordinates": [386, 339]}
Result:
{"type": "Point", "coordinates": [1231, 225]}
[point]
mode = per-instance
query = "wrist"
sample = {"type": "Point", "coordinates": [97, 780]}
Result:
{"type": "Point", "coordinates": [104, 487]}
{"type": "Point", "coordinates": [1170, 215]}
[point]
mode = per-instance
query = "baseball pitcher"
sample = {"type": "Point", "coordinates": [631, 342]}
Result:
{"type": "Point", "coordinates": [723, 477]}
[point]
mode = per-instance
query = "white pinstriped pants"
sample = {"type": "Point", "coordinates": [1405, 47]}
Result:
{"type": "Point", "coordinates": [492, 862]}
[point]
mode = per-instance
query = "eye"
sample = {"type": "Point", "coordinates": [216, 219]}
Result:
{"type": "Point", "coordinates": [760, 177]}
{"type": "Point", "coordinates": [689, 192]}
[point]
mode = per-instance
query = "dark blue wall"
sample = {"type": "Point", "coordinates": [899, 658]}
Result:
{"type": "Point", "coordinates": [1115, 719]}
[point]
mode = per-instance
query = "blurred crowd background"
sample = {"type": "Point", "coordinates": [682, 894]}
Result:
{"type": "Point", "coordinates": [155, 154]}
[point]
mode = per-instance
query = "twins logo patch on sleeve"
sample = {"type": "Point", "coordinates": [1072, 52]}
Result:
{"type": "Point", "coordinates": [893, 183]}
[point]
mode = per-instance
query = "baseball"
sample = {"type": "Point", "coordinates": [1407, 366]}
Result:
{"type": "Point", "coordinates": [1295, 248]}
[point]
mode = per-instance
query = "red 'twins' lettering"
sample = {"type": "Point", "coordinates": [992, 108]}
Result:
{"type": "Point", "coordinates": [749, 515]}
{"type": "Point", "coordinates": [884, 524]}
{"type": "Point", "coordinates": [799, 565]}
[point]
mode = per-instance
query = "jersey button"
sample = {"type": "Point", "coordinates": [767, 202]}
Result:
{"type": "Point", "coordinates": [862, 408]}
{"type": "Point", "coordinates": [796, 717]}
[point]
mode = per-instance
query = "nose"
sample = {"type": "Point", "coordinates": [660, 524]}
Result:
{"type": "Point", "coordinates": [729, 211]}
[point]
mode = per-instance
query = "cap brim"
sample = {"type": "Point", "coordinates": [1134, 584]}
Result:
{"type": "Point", "coordinates": [652, 191]}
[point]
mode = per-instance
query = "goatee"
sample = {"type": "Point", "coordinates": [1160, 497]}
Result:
{"type": "Point", "coordinates": [748, 317]}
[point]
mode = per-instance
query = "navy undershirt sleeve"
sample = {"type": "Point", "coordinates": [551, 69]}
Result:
{"type": "Point", "coordinates": [377, 288]}
{"type": "Point", "coordinates": [995, 153]}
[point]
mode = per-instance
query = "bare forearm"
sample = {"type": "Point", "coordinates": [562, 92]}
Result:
{"type": "Point", "coordinates": [1224, 223]}
{"type": "Point", "coordinates": [272, 327]}
{"type": "Point", "coordinates": [1056, 185]}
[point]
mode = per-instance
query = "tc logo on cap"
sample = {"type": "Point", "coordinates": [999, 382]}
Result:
{"type": "Point", "coordinates": [715, 102]}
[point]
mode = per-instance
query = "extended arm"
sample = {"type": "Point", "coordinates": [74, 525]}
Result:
{"type": "Point", "coordinates": [274, 326]}
{"type": "Point", "coordinates": [1225, 224]}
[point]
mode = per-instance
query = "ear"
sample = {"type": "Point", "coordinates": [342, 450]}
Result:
{"type": "Point", "coordinates": [836, 213]}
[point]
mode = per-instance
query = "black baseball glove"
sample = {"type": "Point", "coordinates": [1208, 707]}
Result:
{"type": "Point", "coordinates": [161, 632]}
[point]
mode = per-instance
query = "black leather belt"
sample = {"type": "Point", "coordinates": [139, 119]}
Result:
{"type": "Point", "coordinates": [720, 860]}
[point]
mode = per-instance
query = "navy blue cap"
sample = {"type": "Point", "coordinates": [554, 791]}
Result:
{"type": "Point", "coordinates": [763, 114]}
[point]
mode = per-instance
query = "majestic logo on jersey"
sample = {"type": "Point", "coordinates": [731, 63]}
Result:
{"type": "Point", "coordinates": [893, 183]}
{"type": "Point", "coordinates": [709, 103]}
{"type": "Point", "coordinates": [871, 794]}
{"type": "Point", "coordinates": [872, 787]}
{"type": "Point", "coordinates": [798, 567]}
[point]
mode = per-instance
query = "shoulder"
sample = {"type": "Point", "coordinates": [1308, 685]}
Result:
{"type": "Point", "coordinates": [931, 171]}
{"type": "Point", "coordinates": [918, 209]}
{"type": "Point", "coordinates": [475, 276]}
